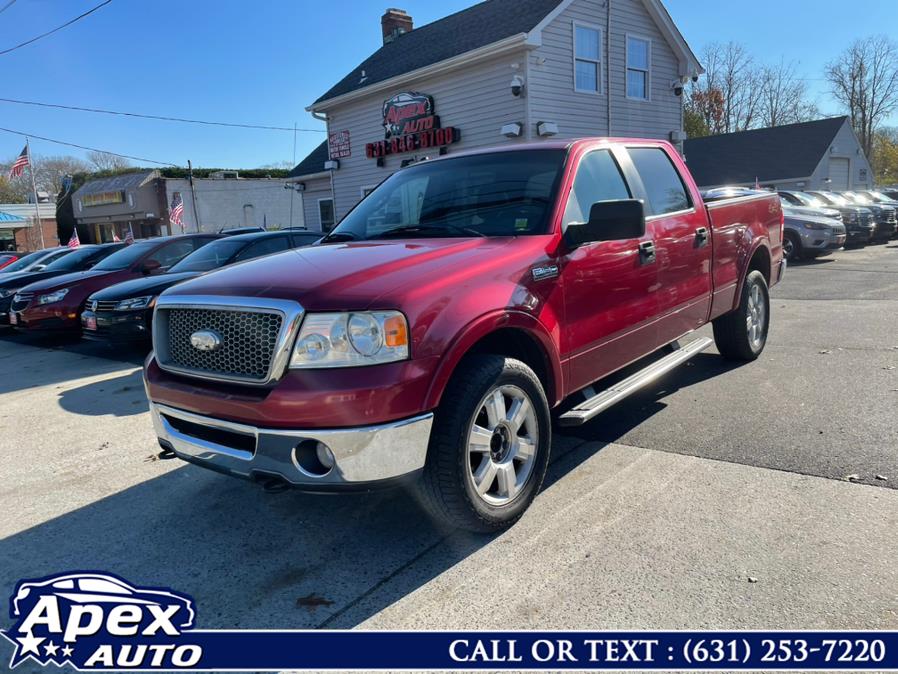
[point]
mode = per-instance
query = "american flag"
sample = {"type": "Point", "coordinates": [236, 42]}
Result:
{"type": "Point", "coordinates": [129, 237]}
{"type": "Point", "coordinates": [115, 238]}
{"type": "Point", "coordinates": [74, 242]}
{"type": "Point", "coordinates": [18, 166]}
{"type": "Point", "coordinates": [176, 210]}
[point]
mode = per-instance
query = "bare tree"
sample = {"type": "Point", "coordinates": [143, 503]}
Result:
{"type": "Point", "coordinates": [864, 79]}
{"type": "Point", "coordinates": [11, 191]}
{"type": "Point", "coordinates": [50, 171]}
{"type": "Point", "coordinates": [729, 88]}
{"type": "Point", "coordinates": [784, 96]}
{"type": "Point", "coordinates": [103, 161]}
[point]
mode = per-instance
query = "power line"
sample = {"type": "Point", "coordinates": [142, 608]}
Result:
{"type": "Point", "coordinates": [7, 6]}
{"type": "Point", "coordinates": [85, 147]}
{"type": "Point", "coordinates": [158, 117]}
{"type": "Point", "coordinates": [50, 32]}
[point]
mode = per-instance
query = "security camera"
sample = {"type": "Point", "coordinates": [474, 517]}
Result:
{"type": "Point", "coordinates": [695, 78]}
{"type": "Point", "coordinates": [677, 87]}
{"type": "Point", "coordinates": [517, 85]}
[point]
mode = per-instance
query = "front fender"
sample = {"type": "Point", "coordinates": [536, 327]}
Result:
{"type": "Point", "coordinates": [488, 323]}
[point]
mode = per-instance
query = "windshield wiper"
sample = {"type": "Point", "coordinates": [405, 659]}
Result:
{"type": "Point", "coordinates": [411, 229]}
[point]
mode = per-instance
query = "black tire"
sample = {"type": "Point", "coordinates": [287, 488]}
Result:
{"type": "Point", "coordinates": [731, 332]}
{"type": "Point", "coordinates": [792, 246]}
{"type": "Point", "coordinates": [447, 486]}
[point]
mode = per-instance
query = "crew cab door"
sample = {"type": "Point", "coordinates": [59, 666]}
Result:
{"type": "Point", "coordinates": [610, 287]}
{"type": "Point", "coordinates": [681, 234]}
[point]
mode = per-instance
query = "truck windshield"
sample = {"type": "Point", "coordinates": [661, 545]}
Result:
{"type": "Point", "coordinates": [211, 256]}
{"type": "Point", "coordinates": [493, 194]}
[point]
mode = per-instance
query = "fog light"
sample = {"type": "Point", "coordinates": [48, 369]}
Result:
{"type": "Point", "coordinates": [313, 458]}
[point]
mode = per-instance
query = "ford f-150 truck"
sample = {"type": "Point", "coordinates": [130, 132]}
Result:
{"type": "Point", "coordinates": [430, 335]}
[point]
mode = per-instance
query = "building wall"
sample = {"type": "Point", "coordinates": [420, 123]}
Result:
{"type": "Point", "coordinates": [476, 99]}
{"type": "Point", "coordinates": [845, 145]}
{"type": "Point", "coordinates": [236, 203]}
{"type": "Point", "coordinates": [26, 236]}
{"type": "Point", "coordinates": [319, 188]}
{"type": "Point", "coordinates": [551, 73]}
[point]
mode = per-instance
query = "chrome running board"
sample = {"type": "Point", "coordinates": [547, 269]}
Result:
{"type": "Point", "coordinates": [603, 400]}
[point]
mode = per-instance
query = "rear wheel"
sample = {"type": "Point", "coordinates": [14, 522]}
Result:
{"type": "Point", "coordinates": [489, 446]}
{"type": "Point", "coordinates": [742, 334]}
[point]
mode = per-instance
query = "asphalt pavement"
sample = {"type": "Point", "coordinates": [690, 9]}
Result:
{"type": "Point", "coordinates": [718, 498]}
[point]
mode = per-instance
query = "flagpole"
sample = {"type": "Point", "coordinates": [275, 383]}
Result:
{"type": "Point", "coordinates": [37, 208]}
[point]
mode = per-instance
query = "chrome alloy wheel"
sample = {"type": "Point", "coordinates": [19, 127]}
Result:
{"type": "Point", "coordinates": [502, 444]}
{"type": "Point", "coordinates": [756, 317]}
{"type": "Point", "coordinates": [788, 248]}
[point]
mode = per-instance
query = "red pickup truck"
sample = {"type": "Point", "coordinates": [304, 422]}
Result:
{"type": "Point", "coordinates": [429, 336]}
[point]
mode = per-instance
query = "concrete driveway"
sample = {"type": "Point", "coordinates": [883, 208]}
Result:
{"type": "Point", "coordinates": [714, 499]}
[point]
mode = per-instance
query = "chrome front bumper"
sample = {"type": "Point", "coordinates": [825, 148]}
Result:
{"type": "Point", "coordinates": [362, 456]}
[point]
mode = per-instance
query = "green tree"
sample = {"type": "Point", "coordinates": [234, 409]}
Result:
{"type": "Point", "coordinates": [884, 158]}
{"type": "Point", "coordinates": [694, 124]}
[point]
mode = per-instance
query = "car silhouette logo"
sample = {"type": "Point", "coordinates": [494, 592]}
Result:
{"type": "Point", "coordinates": [205, 340]}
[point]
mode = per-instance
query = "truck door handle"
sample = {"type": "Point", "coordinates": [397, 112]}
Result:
{"type": "Point", "coordinates": [647, 252]}
{"type": "Point", "coordinates": [701, 236]}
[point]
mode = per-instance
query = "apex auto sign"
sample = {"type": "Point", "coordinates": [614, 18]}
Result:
{"type": "Point", "coordinates": [410, 124]}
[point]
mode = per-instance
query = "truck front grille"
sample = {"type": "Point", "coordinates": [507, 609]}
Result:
{"type": "Point", "coordinates": [248, 341]}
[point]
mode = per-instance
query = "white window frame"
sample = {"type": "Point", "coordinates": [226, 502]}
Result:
{"type": "Point", "coordinates": [599, 63]}
{"type": "Point", "coordinates": [333, 208]}
{"type": "Point", "coordinates": [648, 71]}
{"type": "Point", "coordinates": [362, 189]}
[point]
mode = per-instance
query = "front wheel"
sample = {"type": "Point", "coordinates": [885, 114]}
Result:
{"type": "Point", "coordinates": [489, 447]}
{"type": "Point", "coordinates": [742, 334]}
{"type": "Point", "coordinates": [791, 246]}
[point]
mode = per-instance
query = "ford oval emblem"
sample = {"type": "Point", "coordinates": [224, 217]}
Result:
{"type": "Point", "coordinates": [205, 340]}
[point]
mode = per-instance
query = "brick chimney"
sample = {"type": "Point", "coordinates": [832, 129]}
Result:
{"type": "Point", "coordinates": [394, 23]}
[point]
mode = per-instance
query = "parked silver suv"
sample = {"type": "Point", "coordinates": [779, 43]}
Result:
{"type": "Point", "coordinates": [809, 236]}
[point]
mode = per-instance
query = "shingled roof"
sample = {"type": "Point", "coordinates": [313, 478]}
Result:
{"type": "Point", "coordinates": [771, 154]}
{"type": "Point", "coordinates": [314, 163]}
{"type": "Point", "coordinates": [472, 28]}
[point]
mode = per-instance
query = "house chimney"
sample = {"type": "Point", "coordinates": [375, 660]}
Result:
{"type": "Point", "coordinates": [394, 23]}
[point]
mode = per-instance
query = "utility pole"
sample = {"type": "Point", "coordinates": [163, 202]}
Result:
{"type": "Point", "coordinates": [196, 217]}
{"type": "Point", "coordinates": [37, 208]}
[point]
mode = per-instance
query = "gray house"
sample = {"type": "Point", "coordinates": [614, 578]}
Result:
{"type": "Point", "coordinates": [502, 71]}
{"type": "Point", "coordinates": [821, 155]}
{"type": "Point", "coordinates": [112, 206]}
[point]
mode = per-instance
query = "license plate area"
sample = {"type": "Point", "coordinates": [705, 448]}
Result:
{"type": "Point", "coordinates": [209, 434]}
{"type": "Point", "coordinates": [90, 322]}
{"type": "Point", "coordinates": [13, 318]}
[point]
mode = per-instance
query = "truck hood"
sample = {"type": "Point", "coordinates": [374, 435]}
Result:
{"type": "Point", "coordinates": [346, 276]}
{"type": "Point", "coordinates": [139, 287]}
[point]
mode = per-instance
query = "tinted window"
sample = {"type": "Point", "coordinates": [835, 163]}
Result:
{"type": "Point", "coordinates": [174, 252]}
{"type": "Point", "coordinates": [82, 258]}
{"type": "Point", "coordinates": [267, 246]}
{"type": "Point", "coordinates": [23, 262]}
{"type": "Point", "coordinates": [305, 239]}
{"type": "Point", "coordinates": [210, 257]}
{"type": "Point", "coordinates": [663, 185]}
{"type": "Point", "coordinates": [494, 194]}
{"type": "Point", "coordinates": [126, 256]}
{"type": "Point", "coordinates": [598, 179]}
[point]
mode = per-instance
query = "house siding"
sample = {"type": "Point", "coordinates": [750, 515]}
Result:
{"type": "Point", "coordinates": [552, 94]}
{"type": "Point", "coordinates": [845, 145]}
{"type": "Point", "coordinates": [318, 188]}
{"type": "Point", "coordinates": [475, 99]}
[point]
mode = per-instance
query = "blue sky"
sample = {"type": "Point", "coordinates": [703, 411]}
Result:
{"type": "Point", "coordinates": [263, 62]}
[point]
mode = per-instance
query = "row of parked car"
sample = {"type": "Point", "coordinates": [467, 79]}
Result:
{"type": "Point", "coordinates": [107, 292]}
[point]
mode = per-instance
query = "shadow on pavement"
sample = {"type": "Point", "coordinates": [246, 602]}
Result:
{"type": "Point", "coordinates": [123, 396]}
{"type": "Point", "coordinates": [56, 360]}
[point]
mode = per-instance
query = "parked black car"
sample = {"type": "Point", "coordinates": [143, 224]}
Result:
{"type": "Point", "coordinates": [858, 221]}
{"type": "Point", "coordinates": [79, 259]}
{"type": "Point", "coordinates": [886, 220]}
{"type": "Point", "coordinates": [124, 312]}
{"type": "Point", "coordinates": [880, 197]}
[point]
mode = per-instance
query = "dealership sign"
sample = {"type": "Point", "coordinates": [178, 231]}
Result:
{"type": "Point", "coordinates": [410, 124]}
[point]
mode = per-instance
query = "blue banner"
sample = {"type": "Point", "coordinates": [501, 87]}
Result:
{"type": "Point", "coordinates": [96, 621]}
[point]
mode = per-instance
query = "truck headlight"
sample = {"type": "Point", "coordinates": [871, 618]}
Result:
{"type": "Point", "coordinates": [134, 303]}
{"type": "Point", "coordinates": [351, 339]}
{"type": "Point", "coordinates": [49, 298]}
{"type": "Point", "coordinates": [7, 292]}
